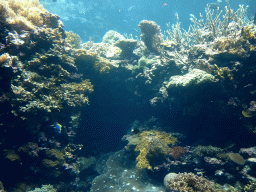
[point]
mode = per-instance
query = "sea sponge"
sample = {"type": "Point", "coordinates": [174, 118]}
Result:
{"type": "Point", "coordinates": [151, 35]}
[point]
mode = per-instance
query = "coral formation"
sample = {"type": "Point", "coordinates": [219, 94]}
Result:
{"type": "Point", "coordinates": [127, 46]}
{"type": "Point", "coordinates": [151, 35]}
{"type": "Point", "coordinates": [190, 182]}
{"type": "Point", "coordinates": [152, 143]}
{"type": "Point", "coordinates": [45, 188]}
{"type": "Point", "coordinates": [207, 150]}
{"type": "Point", "coordinates": [193, 78]}
{"type": "Point", "coordinates": [177, 152]}
{"type": "Point", "coordinates": [22, 15]}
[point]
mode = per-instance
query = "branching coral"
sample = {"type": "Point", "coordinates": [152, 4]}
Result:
{"type": "Point", "coordinates": [152, 143]}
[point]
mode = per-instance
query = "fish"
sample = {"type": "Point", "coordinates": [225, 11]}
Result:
{"type": "Point", "coordinates": [130, 8]}
{"type": "Point", "coordinates": [135, 130]}
{"type": "Point", "coordinates": [214, 5]}
{"type": "Point", "coordinates": [57, 127]}
{"type": "Point", "coordinates": [165, 4]}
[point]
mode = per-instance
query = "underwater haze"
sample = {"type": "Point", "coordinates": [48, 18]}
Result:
{"type": "Point", "coordinates": [92, 19]}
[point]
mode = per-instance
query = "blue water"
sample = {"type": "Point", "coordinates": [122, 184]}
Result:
{"type": "Point", "coordinates": [91, 19]}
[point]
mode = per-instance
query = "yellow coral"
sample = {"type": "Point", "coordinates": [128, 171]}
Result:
{"type": "Point", "coordinates": [73, 39]}
{"type": "Point", "coordinates": [22, 14]}
{"type": "Point", "coordinates": [224, 73]}
{"type": "Point", "coordinates": [247, 33]}
{"type": "Point", "coordinates": [152, 143]}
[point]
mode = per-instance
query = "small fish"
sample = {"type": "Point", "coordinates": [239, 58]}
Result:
{"type": "Point", "coordinates": [214, 5]}
{"type": "Point", "coordinates": [57, 127]}
{"type": "Point", "coordinates": [165, 4]}
{"type": "Point", "coordinates": [130, 8]}
{"type": "Point", "coordinates": [135, 130]}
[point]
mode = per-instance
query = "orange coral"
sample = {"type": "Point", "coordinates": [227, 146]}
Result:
{"type": "Point", "coordinates": [177, 152]}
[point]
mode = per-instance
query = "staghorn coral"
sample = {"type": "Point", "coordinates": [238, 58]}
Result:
{"type": "Point", "coordinates": [152, 143]}
{"type": "Point", "coordinates": [151, 35]}
{"type": "Point", "coordinates": [189, 182]}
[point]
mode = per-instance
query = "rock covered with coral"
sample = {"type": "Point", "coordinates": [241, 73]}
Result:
{"type": "Point", "coordinates": [151, 35]}
{"type": "Point", "coordinates": [188, 182]}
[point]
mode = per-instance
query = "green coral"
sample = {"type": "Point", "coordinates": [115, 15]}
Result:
{"type": "Point", "coordinates": [152, 143]}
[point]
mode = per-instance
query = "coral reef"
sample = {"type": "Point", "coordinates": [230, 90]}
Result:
{"type": "Point", "coordinates": [200, 82]}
